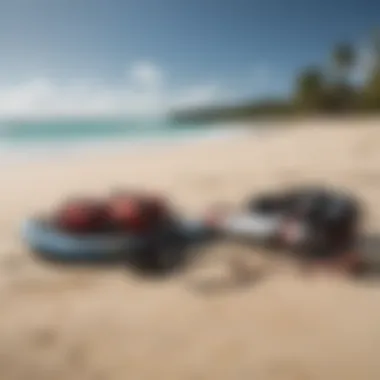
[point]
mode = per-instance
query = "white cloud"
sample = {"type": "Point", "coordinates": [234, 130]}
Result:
{"type": "Point", "coordinates": [143, 91]}
{"type": "Point", "coordinates": [146, 74]}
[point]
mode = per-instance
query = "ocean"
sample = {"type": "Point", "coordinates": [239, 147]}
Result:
{"type": "Point", "coordinates": [28, 139]}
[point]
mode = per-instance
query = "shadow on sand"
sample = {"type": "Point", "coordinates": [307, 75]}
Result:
{"type": "Point", "coordinates": [369, 247]}
{"type": "Point", "coordinates": [182, 254]}
{"type": "Point", "coordinates": [370, 251]}
{"type": "Point", "coordinates": [223, 285]}
{"type": "Point", "coordinates": [157, 261]}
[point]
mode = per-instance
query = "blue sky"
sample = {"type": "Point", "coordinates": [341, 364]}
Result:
{"type": "Point", "coordinates": [218, 49]}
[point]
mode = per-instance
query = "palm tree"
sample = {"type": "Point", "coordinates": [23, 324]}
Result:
{"type": "Point", "coordinates": [310, 89]}
{"type": "Point", "coordinates": [341, 90]}
{"type": "Point", "coordinates": [376, 46]}
{"type": "Point", "coordinates": [343, 59]}
{"type": "Point", "coordinates": [371, 90]}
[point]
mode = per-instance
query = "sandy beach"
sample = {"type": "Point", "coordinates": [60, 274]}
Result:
{"type": "Point", "coordinates": [69, 323]}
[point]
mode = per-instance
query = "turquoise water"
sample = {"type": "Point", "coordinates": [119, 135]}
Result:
{"type": "Point", "coordinates": [49, 131]}
{"type": "Point", "coordinates": [61, 137]}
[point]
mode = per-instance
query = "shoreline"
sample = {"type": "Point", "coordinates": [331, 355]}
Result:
{"type": "Point", "coordinates": [19, 154]}
{"type": "Point", "coordinates": [16, 155]}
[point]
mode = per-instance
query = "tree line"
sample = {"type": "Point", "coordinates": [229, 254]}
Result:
{"type": "Point", "coordinates": [326, 89]}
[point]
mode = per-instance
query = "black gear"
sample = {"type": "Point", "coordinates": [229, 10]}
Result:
{"type": "Point", "coordinates": [331, 219]}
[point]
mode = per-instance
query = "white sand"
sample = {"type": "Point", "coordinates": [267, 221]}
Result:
{"type": "Point", "coordinates": [62, 323]}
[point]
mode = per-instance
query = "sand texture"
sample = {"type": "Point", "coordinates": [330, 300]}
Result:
{"type": "Point", "coordinates": [106, 324]}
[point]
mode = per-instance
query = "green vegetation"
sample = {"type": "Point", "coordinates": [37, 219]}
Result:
{"type": "Point", "coordinates": [317, 90]}
{"type": "Point", "coordinates": [236, 112]}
